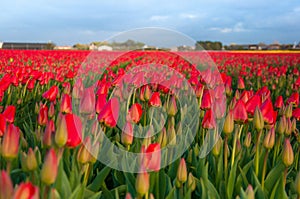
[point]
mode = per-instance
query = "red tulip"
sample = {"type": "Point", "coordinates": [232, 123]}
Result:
{"type": "Point", "coordinates": [253, 102]}
{"type": "Point", "coordinates": [2, 125]}
{"type": "Point", "coordinates": [154, 156]}
{"type": "Point", "coordinates": [66, 104]}
{"type": "Point", "coordinates": [296, 114]}
{"type": "Point", "coordinates": [10, 144]}
{"type": "Point", "coordinates": [155, 100]}
{"type": "Point", "coordinates": [74, 128]}
{"type": "Point", "coordinates": [110, 113]}
{"type": "Point", "coordinates": [43, 115]}
{"type": "Point", "coordinates": [135, 113]}
{"type": "Point", "coordinates": [239, 112]}
{"type": "Point", "coordinates": [293, 99]}
{"type": "Point", "coordinates": [279, 102]}
{"type": "Point", "coordinates": [209, 121]}
{"type": "Point", "coordinates": [101, 101]}
{"type": "Point", "coordinates": [206, 100]}
{"type": "Point", "coordinates": [87, 101]}
{"type": "Point", "coordinates": [6, 186]}
{"type": "Point", "coordinates": [9, 113]}
{"type": "Point", "coordinates": [268, 112]}
{"type": "Point", "coordinates": [240, 84]}
{"type": "Point", "coordinates": [51, 94]}
{"type": "Point", "coordinates": [26, 191]}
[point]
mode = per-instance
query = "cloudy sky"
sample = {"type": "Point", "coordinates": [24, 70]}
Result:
{"type": "Point", "coordinates": [66, 22]}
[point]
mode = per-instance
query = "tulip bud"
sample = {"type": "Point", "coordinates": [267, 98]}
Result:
{"type": "Point", "coordinates": [49, 130]}
{"type": "Point", "coordinates": [281, 125]}
{"type": "Point", "coordinates": [287, 154]}
{"type": "Point", "coordinates": [31, 162]}
{"type": "Point", "coordinates": [61, 134]}
{"type": "Point", "coordinates": [171, 136]}
{"type": "Point", "coordinates": [247, 141]}
{"type": "Point", "coordinates": [288, 129]}
{"type": "Point", "coordinates": [191, 182]}
{"type": "Point", "coordinates": [269, 139]}
{"type": "Point", "coordinates": [297, 183]}
{"type": "Point", "coordinates": [26, 190]}
{"type": "Point", "coordinates": [228, 123]}
{"type": "Point", "coordinates": [142, 183]}
{"type": "Point", "coordinates": [84, 155]}
{"type": "Point", "coordinates": [294, 125]}
{"type": "Point", "coordinates": [127, 134]}
{"type": "Point", "coordinates": [288, 111]}
{"type": "Point", "coordinates": [54, 194]}
{"type": "Point", "coordinates": [10, 144]}
{"type": "Point", "coordinates": [162, 138]}
{"type": "Point", "coordinates": [172, 107]}
{"type": "Point", "coordinates": [49, 169]}
{"type": "Point", "coordinates": [217, 147]}
{"type": "Point", "coordinates": [241, 84]}
{"type": "Point", "coordinates": [128, 196]}
{"type": "Point", "coordinates": [94, 151]}
{"type": "Point", "coordinates": [258, 119]}
{"type": "Point", "coordinates": [6, 186]}
{"type": "Point", "coordinates": [182, 171]}
{"type": "Point", "coordinates": [250, 193]}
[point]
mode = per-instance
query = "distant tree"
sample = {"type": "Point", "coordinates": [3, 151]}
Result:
{"type": "Point", "coordinates": [81, 46]}
{"type": "Point", "coordinates": [209, 45]}
{"type": "Point", "coordinates": [50, 46]}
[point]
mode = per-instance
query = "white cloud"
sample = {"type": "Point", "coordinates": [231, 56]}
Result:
{"type": "Point", "coordinates": [236, 28]}
{"type": "Point", "coordinates": [159, 18]}
{"type": "Point", "coordinates": [188, 16]}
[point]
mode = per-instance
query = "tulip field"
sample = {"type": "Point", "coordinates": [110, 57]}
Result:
{"type": "Point", "coordinates": [149, 124]}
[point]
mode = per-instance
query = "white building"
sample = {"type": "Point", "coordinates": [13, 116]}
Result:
{"type": "Point", "coordinates": [1, 44]}
{"type": "Point", "coordinates": [105, 48]}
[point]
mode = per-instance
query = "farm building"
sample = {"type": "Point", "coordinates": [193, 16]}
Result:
{"type": "Point", "coordinates": [27, 46]}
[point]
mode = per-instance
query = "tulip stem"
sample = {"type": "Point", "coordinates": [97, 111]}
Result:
{"type": "Point", "coordinates": [237, 135]}
{"type": "Point", "coordinates": [257, 153]}
{"type": "Point", "coordinates": [278, 141]}
{"type": "Point", "coordinates": [8, 166]}
{"type": "Point", "coordinates": [86, 174]}
{"type": "Point", "coordinates": [285, 176]}
{"type": "Point", "coordinates": [264, 169]}
{"type": "Point", "coordinates": [226, 158]}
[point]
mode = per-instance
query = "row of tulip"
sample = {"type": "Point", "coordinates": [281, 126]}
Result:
{"type": "Point", "coordinates": [64, 114]}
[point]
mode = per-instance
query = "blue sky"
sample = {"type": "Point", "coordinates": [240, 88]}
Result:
{"type": "Point", "coordinates": [67, 22]}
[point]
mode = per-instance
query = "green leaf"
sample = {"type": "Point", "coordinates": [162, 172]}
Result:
{"type": "Point", "coordinates": [130, 182]}
{"type": "Point", "coordinates": [98, 181]}
{"type": "Point", "coordinates": [231, 180]}
{"type": "Point", "coordinates": [258, 189]}
{"type": "Point", "coordinates": [78, 192]}
{"type": "Point", "coordinates": [171, 194]}
{"type": "Point", "coordinates": [62, 184]}
{"type": "Point", "coordinates": [212, 192]}
{"type": "Point", "coordinates": [272, 177]}
{"type": "Point", "coordinates": [162, 184]}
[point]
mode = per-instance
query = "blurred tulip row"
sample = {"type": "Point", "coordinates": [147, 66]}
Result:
{"type": "Point", "coordinates": [70, 121]}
